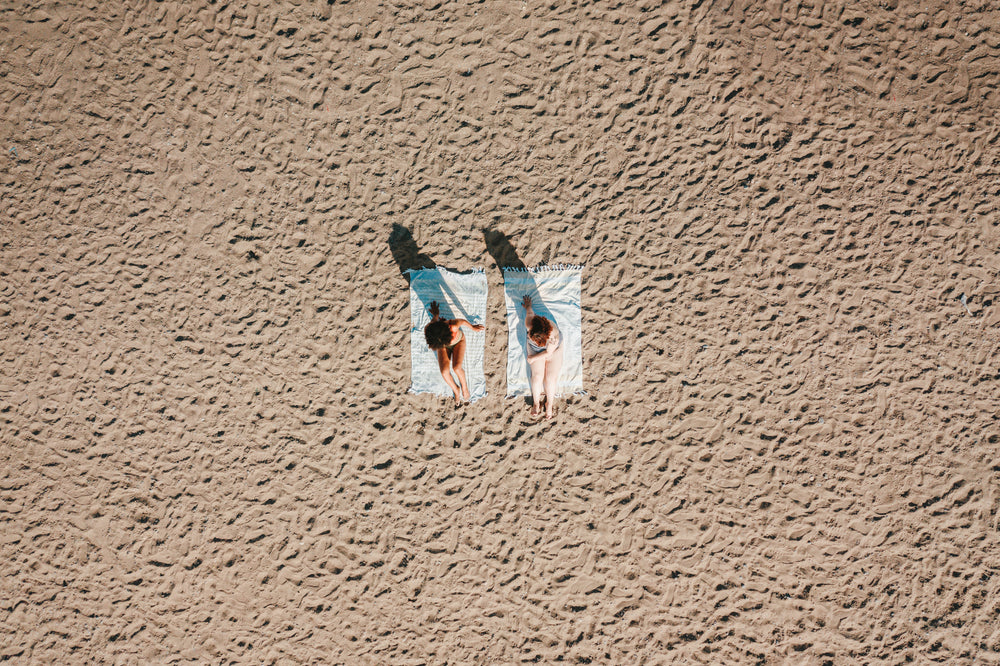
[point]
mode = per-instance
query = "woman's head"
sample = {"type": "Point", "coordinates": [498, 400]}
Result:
{"type": "Point", "coordinates": [540, 330]}
{"type": "Point", "coordinates": [438, 334]}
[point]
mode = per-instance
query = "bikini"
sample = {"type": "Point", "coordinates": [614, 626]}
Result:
{"type": "Point", "coordinates": [452, 345]}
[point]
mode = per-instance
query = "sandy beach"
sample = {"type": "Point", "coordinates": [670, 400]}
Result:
{"type": "Point", "coordinates": [787, 215]}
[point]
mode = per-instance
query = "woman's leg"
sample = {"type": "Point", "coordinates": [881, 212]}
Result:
{"type": "Point", "coordinates": [553, 366]}
{"type": "Point", "coordinates": [443, 366]}
{"type": "Point", "coordinates": [457, 357]}
{"type": "Point", "coordinates": [536, 374]}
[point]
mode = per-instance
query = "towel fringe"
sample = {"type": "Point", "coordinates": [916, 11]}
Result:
{"type": "Point", "coordinates": [545, 269]}
{"type": "Point", "coordinates": [447, 394]}
{"type": "Point", "coordinates": [562, 394]}
{"type": "Point", "coordinates": [475, 270]}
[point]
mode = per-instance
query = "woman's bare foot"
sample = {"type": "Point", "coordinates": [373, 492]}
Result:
{"type": "Point", "coordinates": [537, 410]}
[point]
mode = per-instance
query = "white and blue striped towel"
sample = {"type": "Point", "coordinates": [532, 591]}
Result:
{"type": "Point", "coordinates": [555, 294]}
{"type": "Point", "coordinates": [461, 296]}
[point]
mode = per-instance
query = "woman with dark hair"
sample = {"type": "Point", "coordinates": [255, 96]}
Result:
{"type": "Point", "coordinates": [446, 338]}
{"type": "Point", "coordinates": [545, 359]}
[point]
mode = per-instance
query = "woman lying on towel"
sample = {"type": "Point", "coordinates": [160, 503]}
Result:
{"type": "Point", "coordinates": [545, 358]}
{"type": "Point", "coordinates": [446, 338]}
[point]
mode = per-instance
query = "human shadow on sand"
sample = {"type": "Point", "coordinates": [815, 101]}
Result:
{"type": "Point", "coordinates": [408, 257]}
{"type": "Point", "coordinates": [406, 253]}
{"type": "Point", "coordinates": [499, 246]}
{"type": "Point", "coordinates": [505, 256]}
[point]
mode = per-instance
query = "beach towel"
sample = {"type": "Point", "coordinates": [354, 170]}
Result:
{"type": "Point", "coordinates": [555, 295]}
{"type": "Point", "coordinates": [460, 296]}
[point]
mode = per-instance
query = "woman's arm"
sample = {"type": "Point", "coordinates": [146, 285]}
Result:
{"type": "Point", "coordinates": [474, 327]}
{"type": "Point", "coordinates": [555, 338]}
{"type": "Point", "coordinates": [541, 354]}
{"type": "Point", "coordinates": [529, 314]}
{"type": "Point", "coordinates": [435, 311]}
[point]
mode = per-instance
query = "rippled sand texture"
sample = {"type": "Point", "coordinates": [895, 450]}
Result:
{"type": "Point", "coordinates": [788, 453]}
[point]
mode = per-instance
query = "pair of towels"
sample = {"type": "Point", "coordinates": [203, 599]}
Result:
{"type": "Point", "coordinates": [555, 294]}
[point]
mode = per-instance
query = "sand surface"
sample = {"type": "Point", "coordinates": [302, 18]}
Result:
{"type": "Point", "coordinates": [789, 448]}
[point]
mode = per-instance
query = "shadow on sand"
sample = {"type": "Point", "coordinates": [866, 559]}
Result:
{"type": "Point", "coordinates": [406, 253]}
{"type": "Point", "coordinates": [500, 248]}
{"type": "Point", "coordinates": [408, 257]}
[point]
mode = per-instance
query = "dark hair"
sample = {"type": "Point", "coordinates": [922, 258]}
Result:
{"type": "Point", "coordinates": [438, 334]}
{"type": "Point", "coordinates": [540, 330]}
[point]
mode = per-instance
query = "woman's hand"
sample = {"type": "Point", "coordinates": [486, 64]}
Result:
{"type": "Point", "coordinates": [526, 302]}
{"type": "Point", "coordinates": [478, 327]}
{"type": "Point", "coordinates": [435, 310]}
{"type": "Point", "coordinates": [542, 354]}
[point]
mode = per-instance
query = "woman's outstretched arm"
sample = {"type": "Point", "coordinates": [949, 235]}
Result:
{"type": "Point", "coordinates": [474, 327]}
{"type": "Point", "coordinates": [529, 314]}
